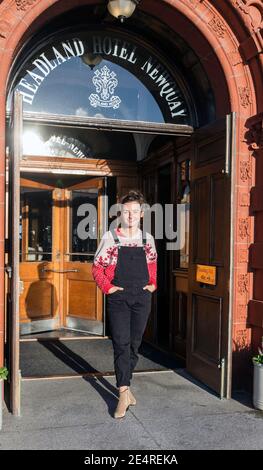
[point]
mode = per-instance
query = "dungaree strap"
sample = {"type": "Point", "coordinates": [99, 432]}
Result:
{"type": "Point", "coordinates": [117, 240]}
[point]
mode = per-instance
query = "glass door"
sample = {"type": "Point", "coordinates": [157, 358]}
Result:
{"type": "Point", "coordinates": [60, 228]}
{"type": "Point", "coordinates": [84, 222]}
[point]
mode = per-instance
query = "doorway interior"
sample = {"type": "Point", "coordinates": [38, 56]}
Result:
{"type": "Point", "coordinates": [178, 167]}
{"type": "Point", "coordinates": [58, 299]}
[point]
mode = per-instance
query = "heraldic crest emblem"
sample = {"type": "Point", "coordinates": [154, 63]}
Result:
{"type": "Point", "coordinates": [105, 82]}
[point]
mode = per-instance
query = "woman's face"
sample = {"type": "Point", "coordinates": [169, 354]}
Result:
{"type": "Point", "coordinates": [130, 214]}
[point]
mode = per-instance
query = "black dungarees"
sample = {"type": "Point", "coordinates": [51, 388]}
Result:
{"type": "Point", "coordinates": [128, 309]}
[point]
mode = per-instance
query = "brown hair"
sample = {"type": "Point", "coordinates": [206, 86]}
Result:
{"type": "Point", "coordinates": [133, 195]}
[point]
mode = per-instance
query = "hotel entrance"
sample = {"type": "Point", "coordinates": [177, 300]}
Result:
{"type": "Point", "coordinates": [124, 117]}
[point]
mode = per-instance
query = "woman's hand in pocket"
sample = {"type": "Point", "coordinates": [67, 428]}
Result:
{"type": "Point", "coordinates": [149, 287]}
{"type": "Point", "coordinates": [114, 289]}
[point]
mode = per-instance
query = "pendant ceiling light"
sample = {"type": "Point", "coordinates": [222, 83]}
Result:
{"type": "Point", "coordinates": [91, 59]}
{"type": "Point", "coordinates": [122, 9]}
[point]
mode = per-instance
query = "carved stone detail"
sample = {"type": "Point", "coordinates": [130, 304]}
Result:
{"type": "Point", "coordinates": [217, 26]}
{"type": "Point", "coordinates": [24, 4]}
{"type": "Point", "coordinates": [243, 228]}
{"type": "Point", "coordinates": [245, 97]}
{"type": "Point", "coordinates": [242, 284]}
{"type": "Point", "coordinates": [245, 171]}
{"type": "Point", "coordinates": [251, 11]}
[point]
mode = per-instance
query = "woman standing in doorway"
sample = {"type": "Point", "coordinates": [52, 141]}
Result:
{"type": "Point", "coordinates": [125, 268]}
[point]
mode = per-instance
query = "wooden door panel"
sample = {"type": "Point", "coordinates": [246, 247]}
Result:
{"type": "Point", "coordinates": [207, 316]}
{"type": "Point", "coordinates": [217, 227]}
{"type": "Point", "coordinates": [81, 299]}
{"type": "Point", "coordinates": [209, 145]}
{"type": "Point", "coordinates": [208, 305]}
{"type": "Point", "coordinates": [39, 297]}
{"type": "Point", "coordinates": [81, 293]}
{"type": "Point", "coordinates": [201, 219]}
{"type": "Point", "coordinates": [179, 317]}
{"type": "Point", "coordinates": [36, 302]}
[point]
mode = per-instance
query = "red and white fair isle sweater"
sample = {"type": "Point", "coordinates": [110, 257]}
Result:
{"type": "Point", "coordinates": [106, 256]}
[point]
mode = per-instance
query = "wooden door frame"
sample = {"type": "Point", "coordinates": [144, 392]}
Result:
{"type": "Point", "coordinates": [92, 167]}
{"type": "Point", "coordinates": [13, 256]}
{"type": "Point", "coordinates": [107, 124]}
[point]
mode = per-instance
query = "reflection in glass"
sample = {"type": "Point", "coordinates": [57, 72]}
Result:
{"type": "Point", "coordinates": [83, 248]}
{"type": "Point", "coordinates": [35, 231]}
{"type": "Point", "coordinates": [77, 143]}
{"type": "Point", "coordinates": [57, 145]}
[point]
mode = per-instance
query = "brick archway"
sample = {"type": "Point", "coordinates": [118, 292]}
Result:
{"type": "Point", "coordinates": [228, 40]}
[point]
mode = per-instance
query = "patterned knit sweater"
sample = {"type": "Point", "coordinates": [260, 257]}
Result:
{"type": "Point", "coordinates": [106, 256]}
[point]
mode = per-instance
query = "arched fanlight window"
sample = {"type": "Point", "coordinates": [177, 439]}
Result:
{"type": "Point", "coordinates": [102, 75]}
{"type": "Point", "coordinates": [106, 91]}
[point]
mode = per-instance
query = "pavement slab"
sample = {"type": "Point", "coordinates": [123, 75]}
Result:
{"type": "Point", "coordinates": [173, 411]}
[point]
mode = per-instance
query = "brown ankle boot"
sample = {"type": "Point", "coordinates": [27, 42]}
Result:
{"type": "Point", "coordinates": [123, 403]}
{"type": "Point", "coordinates": [132, 398]}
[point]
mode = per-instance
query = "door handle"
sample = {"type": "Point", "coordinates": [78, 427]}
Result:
{"type": "Point", "coordinates": [58, 271]}
{"type": "Point", "coordinates": [9, 271]}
